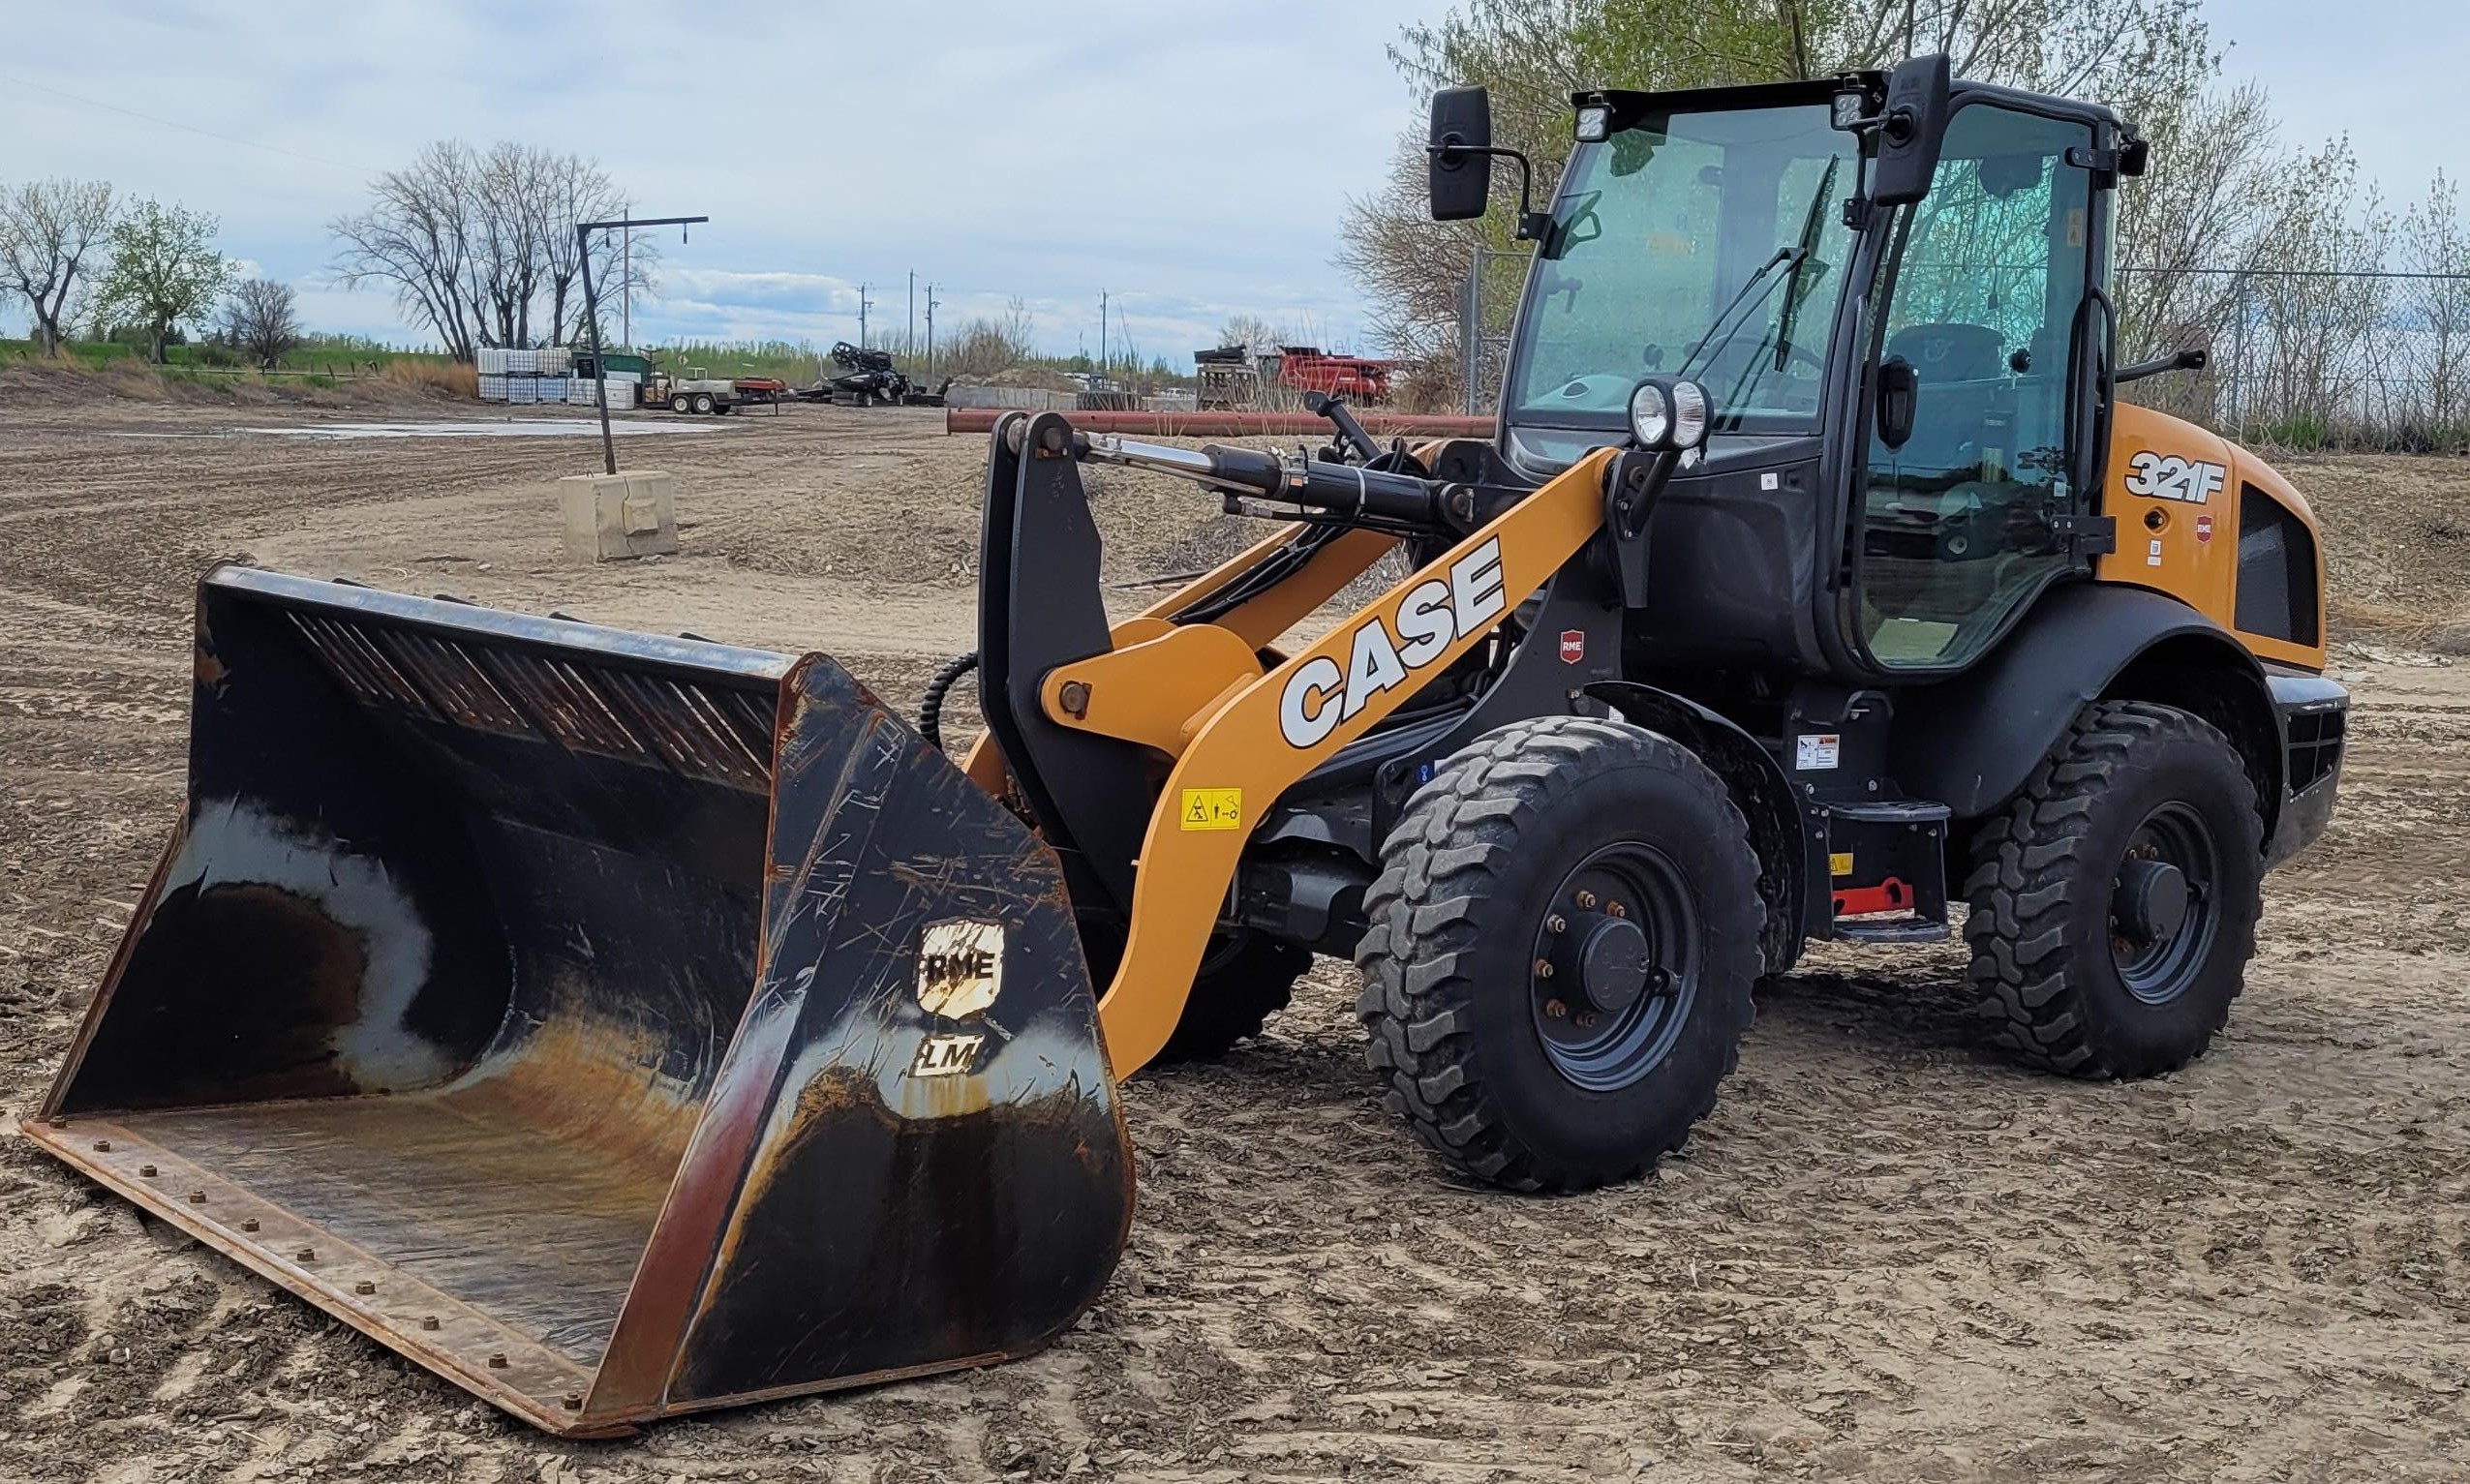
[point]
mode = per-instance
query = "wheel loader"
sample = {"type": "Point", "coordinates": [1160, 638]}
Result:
{"type": "Point", "coordinates": [623, 1025]}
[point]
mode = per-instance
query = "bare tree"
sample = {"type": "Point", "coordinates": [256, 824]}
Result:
{"type": "Point", "coordinates": [2435, 239]}
{"type": "Point", "coordinates": [480, 245]}
{"type": "Point", "coordinates": [261, 318]}
{"type": "Point", "coordinates": [49, 228]}
{"type": "Point", "coordinates": [415, 238]}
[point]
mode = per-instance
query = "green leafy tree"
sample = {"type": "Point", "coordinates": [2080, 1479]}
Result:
{"type": "Point", "coordinates": [165, 271]}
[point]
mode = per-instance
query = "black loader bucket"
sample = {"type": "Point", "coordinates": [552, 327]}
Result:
{"type": "Point", "coordinates": [616, 1025]}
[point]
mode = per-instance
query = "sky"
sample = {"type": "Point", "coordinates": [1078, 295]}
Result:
{"type": "Point", "coordinates": [1189, 161]}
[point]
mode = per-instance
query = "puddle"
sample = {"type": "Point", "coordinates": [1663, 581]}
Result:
{"type": "Point", "coordinates": [530, 427]}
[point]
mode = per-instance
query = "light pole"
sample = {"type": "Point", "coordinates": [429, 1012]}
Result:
{"type": "Point", "coordinates": [591, 311]}
{"type": "Point", "coordinates": [932, 303]}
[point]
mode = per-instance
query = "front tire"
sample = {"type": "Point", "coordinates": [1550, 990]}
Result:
{"type": "Point", "coordinates": [1562, 945]}
{"type": "Point", "coordinates": [2115, 901]}
{"type": "Point", "coordinates": [679, 403]}
{"type": "Point", "coordinates": [1243, 981]}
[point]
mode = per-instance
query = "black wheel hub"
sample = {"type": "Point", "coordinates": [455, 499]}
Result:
{"type": "Point", "coordinates": [2164, 911]}
{"type": "Point", "coordinates": [2150, 901]}
{"type": "Point", "coordinates": [1608, 958]}
{"type": "Point", "coordinates": [1615, 966]}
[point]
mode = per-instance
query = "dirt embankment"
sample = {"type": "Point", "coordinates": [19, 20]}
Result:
{"type": "Point", "coordinates": [1886, 1257]}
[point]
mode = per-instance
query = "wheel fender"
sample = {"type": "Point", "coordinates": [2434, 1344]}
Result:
{"type": "Point", "coordinates": [1971, 742]}
{"type": "Point", "coordinates": [1761, 790]}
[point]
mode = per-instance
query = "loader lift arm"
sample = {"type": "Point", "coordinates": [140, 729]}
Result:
{"type": "Point", "coordinates": [1151, 758]}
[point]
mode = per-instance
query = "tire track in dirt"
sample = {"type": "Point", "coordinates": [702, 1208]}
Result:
{"type": "Point", "coordinates": [1884, 1256]}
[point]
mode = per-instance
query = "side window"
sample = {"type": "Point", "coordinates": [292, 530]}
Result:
{"type": "Point", "coordinates": [1982, 301]}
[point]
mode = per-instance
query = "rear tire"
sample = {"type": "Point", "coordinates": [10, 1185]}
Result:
{"type": "Point", "coordinates": [703, 403]}
{"type": "Point", "coordinates": [1538, 824]}
{"type": "Point", "coordinates": [1242, 983]}
{"type": "Point", "coordinates": [2081, 974]}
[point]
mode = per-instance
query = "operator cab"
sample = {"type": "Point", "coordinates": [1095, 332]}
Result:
{"type": "Point", "coordinates": [1901, 331]}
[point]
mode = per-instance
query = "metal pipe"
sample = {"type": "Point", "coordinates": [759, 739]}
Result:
{"type": "Point", "coordinates": [981, 420]}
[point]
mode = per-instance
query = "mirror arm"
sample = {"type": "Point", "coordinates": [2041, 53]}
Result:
{"type": "Point", "coordinates": [1533, 224]}
{"type": "Point", "coordinates": [2176, 360]}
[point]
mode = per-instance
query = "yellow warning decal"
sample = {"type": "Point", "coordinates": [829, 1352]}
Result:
{"type": "Point", "coordinates": [1214, 808]}
{"type": "Point", "coordinates": [1841, 862]}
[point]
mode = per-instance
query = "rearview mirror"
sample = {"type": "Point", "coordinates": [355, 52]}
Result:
{"type": "Point", "coordinates": [1899, 400]}
{"type": "Point", "coordinates": [1458, 171]}
{"type": "Point", "coordinates": [1910, 130]}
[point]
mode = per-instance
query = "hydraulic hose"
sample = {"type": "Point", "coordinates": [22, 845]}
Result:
{"type": "Point", "coordinates": [930, 709]}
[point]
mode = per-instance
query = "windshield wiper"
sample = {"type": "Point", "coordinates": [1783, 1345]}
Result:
{"type": "Point", "coordinates": [1810, 228]}
{"type": "Point", "coordinates": [1710, 344]}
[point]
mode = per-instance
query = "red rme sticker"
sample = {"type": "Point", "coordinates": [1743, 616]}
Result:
{"type": "Point", "coordinates": [2203, 528]}
{"type": "Point", "coordinates": [1574, 645]}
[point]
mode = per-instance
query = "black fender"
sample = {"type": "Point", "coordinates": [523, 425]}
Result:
{"type": "Point", "coordinates": [1971, 743]}
{"type": "Point", "coordinates": [1761, 790]}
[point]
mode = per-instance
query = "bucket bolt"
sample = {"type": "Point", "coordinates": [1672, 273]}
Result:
{"type": "Point", "coordinates": [103, 1147]}
{"type": "Point", "coordinates": [197, 1198]}
{"type": "Point", "coordinates": [1074, 695]}
{"type": "Point", "coordinates": [364, 1286]}
{"type": "Point", "coordinates": [146, 1170]}
{"type": "Point", "coordinates": [251, 1224]}
{"type": "Point", "coordinates": [306, 1255]}
{"type": "Point", "coordinates": [428, 1321]}
{"type": "Point", "coordinates": [497, 1361]}
{"type": "Point", "coordinates": [573, 1401]}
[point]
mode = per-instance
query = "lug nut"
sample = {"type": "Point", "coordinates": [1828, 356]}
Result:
{"type": "Point", "coordinates": [1617, 910]}
{"type": "Point", "coordinates": [1587, 899]}
{"type": "Point", "coordinates": [1555, 1009]}
{"type": "Point", "coordinates": [1556, 924]}
{"type": "Point", "coordinates": [1544, 968]}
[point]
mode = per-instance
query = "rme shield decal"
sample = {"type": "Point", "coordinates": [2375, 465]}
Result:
{"type": "Point", "coordinates": [1437, 613]}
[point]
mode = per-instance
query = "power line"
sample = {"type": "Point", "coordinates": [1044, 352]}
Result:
{"type": "Point", "coordinates": [110, 108]}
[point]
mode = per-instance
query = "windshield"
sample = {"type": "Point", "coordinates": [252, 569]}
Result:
{"type": "Point", "coordinates": [1710, 244]}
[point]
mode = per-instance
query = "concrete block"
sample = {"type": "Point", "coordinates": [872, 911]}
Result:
{"type": "Point", "coordinates": [610, 516]}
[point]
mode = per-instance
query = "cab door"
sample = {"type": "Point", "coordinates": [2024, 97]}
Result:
{"type": "Point", "coordinates": [1987, 298]}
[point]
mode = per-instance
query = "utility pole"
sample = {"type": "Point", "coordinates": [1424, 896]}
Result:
{"type": "Point", "coordinates": [626, 284]}
{"type": "Point", "coordinates": [1102, 332]}
{"type": "Point", "coordinates": [909, 334]}
{"type": "Point", "coordinates": [864, 303]}
{"type": "Point", "coordinates": [932, 303]}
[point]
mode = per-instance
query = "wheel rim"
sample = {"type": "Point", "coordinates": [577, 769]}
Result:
{"type": "Point", "coordinates": [2165, 903]}
{"type": "Point", "coordinates": [1613, 970]}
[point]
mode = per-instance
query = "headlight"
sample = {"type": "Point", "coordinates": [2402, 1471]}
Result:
{"type": "Point", "coordinates": [1651, 413]}
{"type": "Point", "coordinates": [1595, 124]}
{"type": "Point", "coordinates": [1689, 414]}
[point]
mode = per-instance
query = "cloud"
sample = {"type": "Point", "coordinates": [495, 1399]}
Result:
{"type": "Point", "coordinates": [1191, 162]}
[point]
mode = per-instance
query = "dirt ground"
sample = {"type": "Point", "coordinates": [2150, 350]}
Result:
{"type": "Point", "coordinates": [1886, 1257]}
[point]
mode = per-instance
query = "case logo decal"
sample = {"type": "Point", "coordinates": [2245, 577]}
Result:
{"type": "Point", "coordinates": [2167, 476]}
{"type": "Point", "coordinates": [1435, 614]}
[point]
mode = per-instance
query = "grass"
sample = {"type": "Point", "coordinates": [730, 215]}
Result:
{"type": "Point", "coordinates": [334, 357]}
